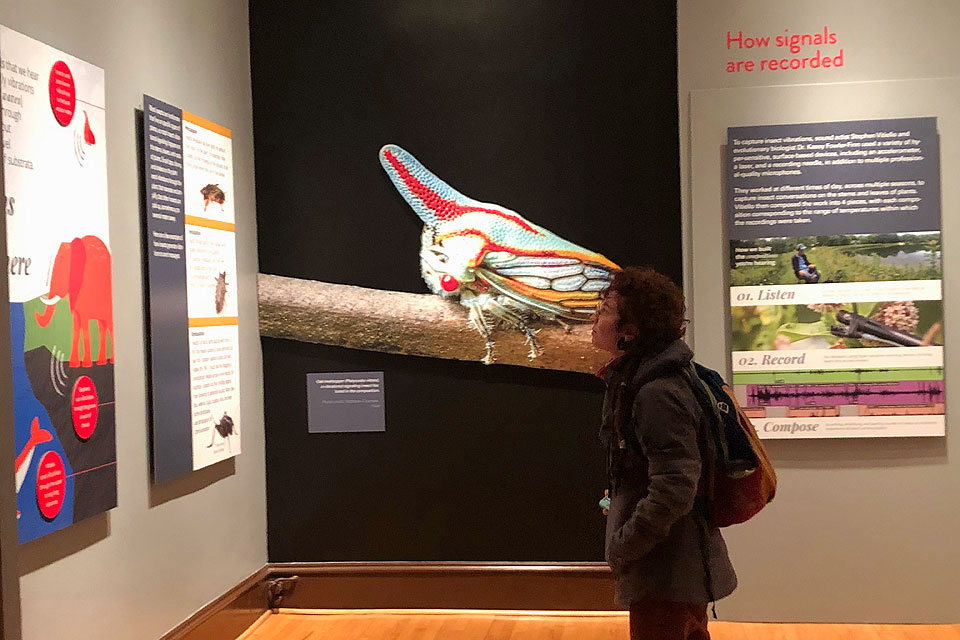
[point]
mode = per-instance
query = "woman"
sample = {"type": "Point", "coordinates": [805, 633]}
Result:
{"type": "Point", "coordinates": [667, 561]}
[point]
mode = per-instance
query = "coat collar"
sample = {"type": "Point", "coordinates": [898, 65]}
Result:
{"type": "Point", "coordinates": [676, 355]}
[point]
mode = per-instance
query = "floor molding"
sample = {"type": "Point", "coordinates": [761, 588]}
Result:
{"type": "Point", "coordinates": [586, 587]}
{"type": "Point", "coordinates": [229, 615]}
{"type": "Point", "coordinates": [449, 585]}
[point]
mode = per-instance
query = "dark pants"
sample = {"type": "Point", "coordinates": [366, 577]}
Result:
{"type": "Point", "coordinates": [659, 620]}
{"type": "Point", "coordinates": [812, 277]}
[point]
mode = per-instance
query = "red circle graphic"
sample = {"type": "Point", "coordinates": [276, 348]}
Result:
{"type": "Point", "coordinates": [84, 407]}
{"type": "Point", "coordinates": [63, 93]}
{"type": "Point", "coordinates": [51, 484]}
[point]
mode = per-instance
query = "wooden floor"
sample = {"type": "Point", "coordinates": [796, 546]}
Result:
{"type": "Point", "coordinates": [326, 624]}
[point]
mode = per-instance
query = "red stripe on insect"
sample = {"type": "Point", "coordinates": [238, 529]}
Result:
{"type": "Point", "coordinates": [445, 209]}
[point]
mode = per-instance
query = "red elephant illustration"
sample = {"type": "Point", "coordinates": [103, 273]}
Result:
{"type": "Point", "coordinates": [81, 272]}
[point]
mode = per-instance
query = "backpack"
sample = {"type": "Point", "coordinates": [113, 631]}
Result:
{"type": "Point", "coordinates": [742, 479]}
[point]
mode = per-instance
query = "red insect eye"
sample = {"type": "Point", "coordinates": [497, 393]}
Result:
{"type": "Point", "coordinates": [449, 283]}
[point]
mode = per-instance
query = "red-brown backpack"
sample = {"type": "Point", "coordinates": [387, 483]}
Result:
{"type": "Point", "coordinates": [742, 481]}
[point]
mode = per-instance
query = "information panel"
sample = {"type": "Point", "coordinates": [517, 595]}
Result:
{"type": "Point", "coordinates": [59, 268]}
{"type": "Point", "coordinates": [836, 277]}
{"type": "Point", "coordinates": [191, 260]}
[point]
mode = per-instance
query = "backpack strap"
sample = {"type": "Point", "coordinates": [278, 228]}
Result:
{"type": "Point", "coordinates": [708, 403]}
{"type": "Point", "coordinates": [713, 407]}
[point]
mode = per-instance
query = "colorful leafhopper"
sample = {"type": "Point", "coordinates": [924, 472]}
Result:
{"type": "Point", "coordinates": [506, 270]}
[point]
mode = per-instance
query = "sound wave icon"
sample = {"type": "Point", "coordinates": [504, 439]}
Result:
{"type": "Point", "coordinates": [83, 139]}
{"type": "Point", "coordinates": [78, 148]}
{"type": "Point", "coordinates": [798, 395]}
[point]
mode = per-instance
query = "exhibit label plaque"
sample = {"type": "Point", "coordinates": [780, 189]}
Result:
{"type": "Point", "coordinates": [345, 402]}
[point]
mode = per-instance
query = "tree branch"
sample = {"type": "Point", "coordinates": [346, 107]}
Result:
{"type": "Point", "coordinates": [407, 323]}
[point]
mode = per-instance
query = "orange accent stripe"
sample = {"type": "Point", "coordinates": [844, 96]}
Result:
{"type": "Point", "coordinates": [581, 304]}
{"type": "Point", "coordinates": [213, 322]}
{"type": "Point", "coordinates": [206, 124]}
{"type": "Point", "coordinates": [209, 223]}
{"type": "Point", "coordinates": [564, 296]}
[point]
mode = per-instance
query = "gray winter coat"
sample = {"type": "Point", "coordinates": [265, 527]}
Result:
{"type": "Point", "coordinates": [655, 529]}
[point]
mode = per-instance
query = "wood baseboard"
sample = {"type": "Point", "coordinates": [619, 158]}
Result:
{"type": "Point", "coordinates": [404, 585]}
{"type": "Point", "coordinates": [448, 585]}
{"type": "Point", "coordinates": [229, 615]}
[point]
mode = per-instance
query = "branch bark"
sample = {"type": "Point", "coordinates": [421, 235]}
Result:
{"type": "Point", "coordinates": [407, 323]}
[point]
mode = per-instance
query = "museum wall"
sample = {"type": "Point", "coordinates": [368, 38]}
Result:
{"type": "Point", "coordinates": [562, 114]}
{"type": "Point", "coordinates": [862, 530]}
{"type": "Point", "coordinates": [166, 550]}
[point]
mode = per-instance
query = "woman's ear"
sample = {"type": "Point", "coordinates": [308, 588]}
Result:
{"type": "Point", "coordinates": [629, 332]}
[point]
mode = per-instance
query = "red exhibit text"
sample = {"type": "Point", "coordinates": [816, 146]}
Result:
{"type": "Point", "coordinates": [793, 43]}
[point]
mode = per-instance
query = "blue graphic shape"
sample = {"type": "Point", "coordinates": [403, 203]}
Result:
{"type": "Point", "coordinates": [26, 407]}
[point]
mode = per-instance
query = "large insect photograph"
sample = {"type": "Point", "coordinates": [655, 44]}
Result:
{"type": "Point", "coordinates": [461, 202]}
{"type": "Point", "coordinates": [508, 278]}
{"type": "Point", "coordinates": [443, 197]}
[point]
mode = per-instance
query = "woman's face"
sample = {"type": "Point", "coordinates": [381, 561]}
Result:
{"type": "Point", "coordinates": [605, 334]}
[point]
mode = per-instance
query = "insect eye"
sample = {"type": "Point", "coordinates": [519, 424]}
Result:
{"type": "Point", "coordinates": [449, 283]}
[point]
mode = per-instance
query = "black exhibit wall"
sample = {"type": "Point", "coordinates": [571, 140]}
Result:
{"type": "Point", "coordinates": [561, 111]}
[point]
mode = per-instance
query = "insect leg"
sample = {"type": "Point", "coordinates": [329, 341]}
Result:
{"type": "Point", "coordinates": [479, 322]}
{"type": "Point", "coordinates": [531, 341]}
{"type": "Point", "coordinates": [518, 320]}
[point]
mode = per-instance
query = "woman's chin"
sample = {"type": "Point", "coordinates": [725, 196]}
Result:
{"type": "Point", "coordinates": [602, 347]}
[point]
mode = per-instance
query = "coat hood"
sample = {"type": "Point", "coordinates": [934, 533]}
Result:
{"type": "Point", "coordinates": [677, 355]}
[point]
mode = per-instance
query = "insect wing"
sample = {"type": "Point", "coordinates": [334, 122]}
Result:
{"type": "Point", "coordinates": [566, 287]}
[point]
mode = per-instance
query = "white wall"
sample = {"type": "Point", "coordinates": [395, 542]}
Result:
{"type": "Point", "coordinates": [164, 551]}
{"type": "Point", "coordinates": [861, 530]}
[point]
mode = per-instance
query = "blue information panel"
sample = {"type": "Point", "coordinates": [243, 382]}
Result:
{"type": "Point", "coordinates": [166, 266]}
{"type": "Point", "coordinates": [193, 311]}
{"type": "Point", "coordinates": [345, 402]}
{"type": "Point", "coordinates": [836, 277]}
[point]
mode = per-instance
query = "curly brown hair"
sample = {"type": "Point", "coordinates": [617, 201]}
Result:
{"type": "Point", "coordinates": [650, 301]}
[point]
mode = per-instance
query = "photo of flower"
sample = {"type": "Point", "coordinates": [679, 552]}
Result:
{"type": "Point", "coordinates": [837, 326]}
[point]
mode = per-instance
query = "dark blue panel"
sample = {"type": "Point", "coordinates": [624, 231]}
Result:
{"type": "Point", "coordinates": [833, 178]}
{"type": "Point", "coordinates": [166, 253]}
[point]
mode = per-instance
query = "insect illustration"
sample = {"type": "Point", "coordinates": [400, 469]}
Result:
{"type": "Point", "coordinates": [220, 294]}
{"type": "Point", "coordinates": [224, 428]}
{"type": "Point", "coordinates": [213, 193]}
{"type": "Point", "coordinates": [504, 269]}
